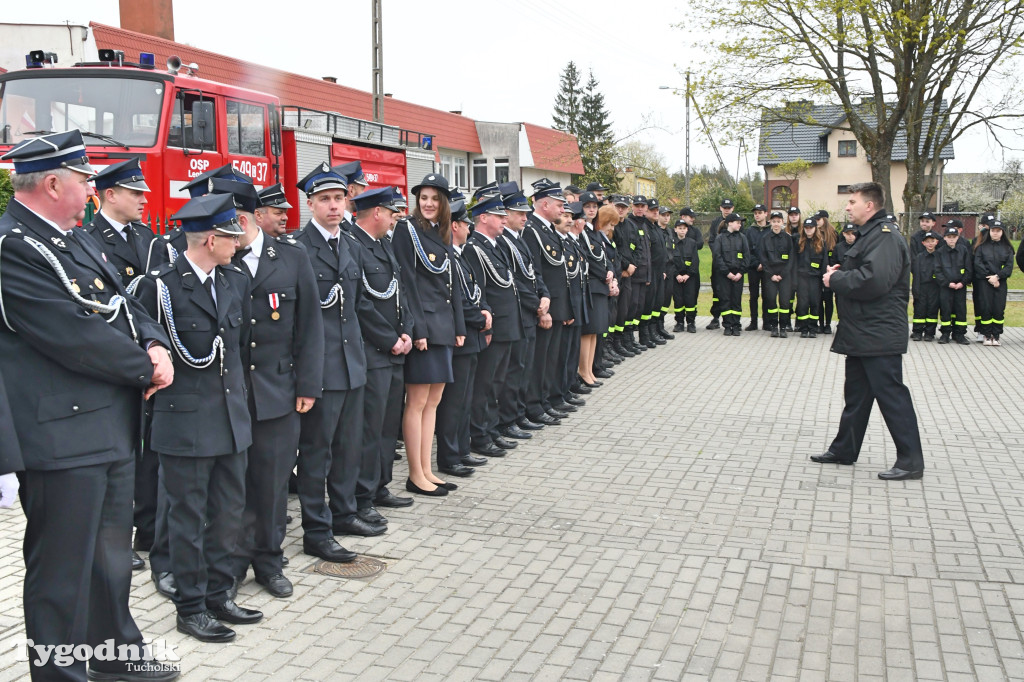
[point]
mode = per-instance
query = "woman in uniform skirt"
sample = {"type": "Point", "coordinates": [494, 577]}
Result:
{"type": "Point", "coordinates": [602, 284]}
{"type": "Point", "coordinates": [422, 245]}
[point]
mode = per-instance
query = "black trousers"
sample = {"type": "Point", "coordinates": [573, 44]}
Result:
{"type": "Point", "coordinates": [642, 296]}
{"type": "Point", "coordinates": [755, 282]}
{"type": "Point", "coordinates": [77, 551]}
{"type": "Point", "coordinates": [777, 296]}
{"type": "Point", "coordinates": [270, 460]}
{"type": "Point", "coordinates": [730, 295]}
{"type": "Point", "coordinates": [991, 307]}
{"type": "Point", "coordinates": [684, 297]}
{"type": "Point", "coordinates": [953, 310]}
{"type": "Point", "coordinates": [489, 383]}
{"type": "Point", "coordinates": [716, 293]}
{"type": "Point", "coordinates": [571, 361]}
{"type": "Point", "coordinates": [330, 448]}
{"type": "Point", "coordinates": [147, 469]}
{"type": "Point", "coordinates": [205, 502]}
{"type": "Point", "coordinates": [452, 423]}
{"type": "Point", "coordinates": [382, 405]}
{"type": "Point", "coordinates": [623, 302]}
{"type": "Point", "coordinates": [545, 356]}
{"type": "Point", "coordinates": [512, 399]}
{"type": "Point", "coordinates": [878, 379]}
{"type": "Point", "coordinates": [926, 308]}
{"type": "Point", "coordinates": [808, 302]}
{"type": "Point", "coordinates": [828, 306]}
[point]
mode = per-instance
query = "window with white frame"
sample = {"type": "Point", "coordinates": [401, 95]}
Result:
{"type": "Point", "coordinates": [501, 170]}
{"type": "Point", "coordinates": [446, 166]}
{"type": "Point", "coordinates": [458, 176]}
{"type": "Point", "coordinates": [479, 172]}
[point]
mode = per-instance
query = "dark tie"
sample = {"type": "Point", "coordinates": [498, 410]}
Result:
{"type": "Point", "coordinates": [333, 243]}
{"type": "Point", "coordinates": [208, 285]}
{"type": "Point", "coordinates": [129, 237]}
{"type": "Point", "coordinates": [243, 252]}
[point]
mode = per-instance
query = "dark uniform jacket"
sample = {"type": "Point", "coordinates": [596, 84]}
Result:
{"type": "Point", "coordinates": [686, 259]}
{"type": "Point", "coordinates": [204, 412]}
{"type": "Point", "coordinates": [872, 289]}
{"type": "Point", "coordinates": [507, 324]}
{"type": "Point", "coordinates": [344, 358]}
{"type": "Point", "coordinates": [809, 263]}
{"type": "Point", "coordinates": [923, 270]}
{"type": "Point", "coordinates": [595, 250]}
{"type": "Point", "coordinates": [576, 275]}
{"type": "Point", "coordinates": [731, 253]}
{"type": "Point", "coordinates": [916, 247]}
{"type": "Point", "coordinates": [474, 301]}
{"type": "Point", "coordinates": [287, 346]}
{"type": "Point", "coordinates": [641, 248]}
{"type": "Point", "coordinates": [659, 251]}
{"type": "Point", "coordinates": [953, 265]}
{"type": "Point", "coordinates": [381, 268]}
{"type": "Point", "coordinates": [693, 233]}
{"type": "Point", "coordinates": [10, 449]}
{"type": "Point", "coordinates": [547, 249]}
{"type": "Point", "coordinates": [625, 238]}
{"type": "Point", "coordinates": [717, 228]}
{"type": "Point", "coordinates": [167, 247]}
{"type": "Point", "coordinates": [434, 299]}
{"type": "Point", "coordinates": [74, 382]}
{"type": "Point", "coordinates": [840, 250]}
{"type": "Point", "coordinates": [776, 254]}
{"type": "Point", "coordinates": [754, 235]}
{"type": "Point", "coordinates": [529, 282]}
{"type": "Point", "coordinates": [993, 258]}
{"type": "Point", "coordinates": [130, 260]}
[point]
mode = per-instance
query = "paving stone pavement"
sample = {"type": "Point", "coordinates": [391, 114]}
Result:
{"type": "Point", "coordinates": [674, 529]}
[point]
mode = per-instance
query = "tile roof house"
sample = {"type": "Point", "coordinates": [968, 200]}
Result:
{"type": "Point", "coordinates": [837, 159]}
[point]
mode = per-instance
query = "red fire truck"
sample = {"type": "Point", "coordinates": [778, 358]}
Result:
{"type": "Point", "coordinates": [181, 125]}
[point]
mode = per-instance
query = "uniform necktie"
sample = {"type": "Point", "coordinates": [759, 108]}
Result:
{"type": "Point", "coordinates": [208, 285]}
{"type": "Point", "coordinates": [333, 243]}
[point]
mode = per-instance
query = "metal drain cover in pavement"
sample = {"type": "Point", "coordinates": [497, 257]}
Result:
{"type": "Point", "coordinates": [362, 567]}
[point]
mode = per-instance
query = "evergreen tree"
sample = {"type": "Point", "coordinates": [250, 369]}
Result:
{"type": "Point", "coordinates": [567, 102]}
{"type": "Point", "coordinates": [594, 134]}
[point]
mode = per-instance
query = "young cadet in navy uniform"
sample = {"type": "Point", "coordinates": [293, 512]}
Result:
{"type": "Point", "coordinates": [534, 300]}
{"type": "Point", "coordinates": [656, 290]}
{"type": "Point", "coordinates": [776, 255]}
{"type": "Point", "coordinates": [755, 270]}
{"type": "Point", "coordinates": [493, 258]}
{"type": "Point", "coordinates": [954, 270]}
{"type": "Point", "coordinates": [78, 423]}
{"type": "Point", "coordinates": [127, 244]}
{"type": "Point", "coordinates": [811, 262]}
{"type": "Point", "coordinates": [331, 436]}
{"type": "Point", "coordinates": [452, 427]}
{"type": "Point", "coordinates": [201, 426]}
{"type": "Point", "coordinates": [385, 381]}
{"type": "Point", "coordinates": [686, 278]}
{"type": "Point", "coordinates": [923, 286]}
{"type": "Point", "coordinates": [644, 276]}
{"type": "Point", "coordinates": [730, 252]}
{"type": "Point", "coordinates": [625, 245]}
{"type": "Point", "coordinates": [285, 377]}
{"type": "Point", "coordinates": [547, 250]}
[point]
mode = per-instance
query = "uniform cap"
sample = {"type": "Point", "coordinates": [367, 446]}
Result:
{"type": "Point", "coordinates": [242, 193]}
{"type": "Point", "coordinates": [639, 199]}
{"type": "Point", "coordinates": [488, 190]}
{"type": "Point", "coordinates": [850, 227]}
{"type": "Point", "coordinates": [209, 212]}
{"type": "Point", "coordinates": [572, 189]}
{"type": "Point", "coordinates": [927, 215]}
{"type": "Point", "coordinates": [352, 172]}
{"type": "Point", "coordinates": [733, 218]}
{"type": "Point", "coordinates": [652, 204]}
{"type": "Point", "coordinates": [775, 214]}
{"type": "Point", "coordinates": [459, 212]}
{"type": "Point", "coordinates": [620, 200]}
{"type": "Point", "coordinates": [50, 152]}
{"type": "Point", "coordinates": [491, 204]}
{"type": "Point", "coordinates": [953, 222]}
{"type": "Point", "coordinates": [760, 207]}
{"type": "Point", "coordinates": [273, 197]}
{"type": "Point", "coordinates": [379, 196]}
{"type": "Point", "coordinates": [320, 179]}
{"type": "Point", "coordinates": [688, 212]}
{"type": "Point", "coordinates": [435, 180]}
{"type": "Point", "coordinates": [793, 209]}
{"type": "Point", "coordinates": [516, 202]}
{"type": "Point", "coordinates": [200, 184]}
{"type": "Point", "coordinates": [726, 203]}
{"type": "Point", "coordinates": [546, 188]}
{"type": "Point", "coordinates": [951, 231]}
{"type": "Point", "coordinates": [928, 235]}
{"type": "Point", "coordinates": [596, 187]}
{"type": "Point", "coordinates": [127, 174]}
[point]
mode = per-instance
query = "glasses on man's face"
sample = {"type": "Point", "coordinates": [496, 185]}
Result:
{"type": "Point", "coordinates": [233, 237]}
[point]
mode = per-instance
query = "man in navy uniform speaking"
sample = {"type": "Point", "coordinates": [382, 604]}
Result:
{"type": "Point", "coordinates": [77, 355]}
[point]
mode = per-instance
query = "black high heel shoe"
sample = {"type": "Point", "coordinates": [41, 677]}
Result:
{"type": "Point", "coordinates": [439, 491]}
{"type": "Point", "coordinates": [446, 485]}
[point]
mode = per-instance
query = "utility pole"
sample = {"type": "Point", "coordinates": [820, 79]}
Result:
{"type": "Point", "coordinates": [378, 62]}
{"type": "Point", "coordinates": [687, 176]}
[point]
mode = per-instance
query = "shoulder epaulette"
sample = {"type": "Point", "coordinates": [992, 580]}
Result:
{"type": "Point", "coordinates": [161, 270]}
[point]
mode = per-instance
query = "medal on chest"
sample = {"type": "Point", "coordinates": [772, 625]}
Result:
{"type": "Point", "coordinates": [275, 302]}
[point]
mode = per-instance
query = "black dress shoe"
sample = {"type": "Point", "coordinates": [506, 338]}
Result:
{"type": "Point", "coordinates": [165, 585]}
{"type": "Point", "coordinates": [230, 612]}
{"type": "Point", "coordinates": [545, 420]}
{"type": "Point", "coordinates": [328, 550]}
{"type": "Point", "coordinates": [578, 402]}
{"type": "Point", "coordinates": [387, 499]}
{"type": "Point", "coordinates": [472, 461]}
{"type": "Point", "coordinates": [490, 450]}
{"type": "Point", "coordinates": [277, 585]}
{"type": "Point", "coordinates": [829, 458]}
{"type": "Point", "coordinates": [563, 407]}
{"type": "Point", "coordinates": [354, 525]}
{"type": "Point", "coordinates": [288, 520]}
{"type": "Point", "coordinates": [582, 389]}
{"type": "Point", "coordinates": [558, 414]}
{"type": "Point", "coordinates": [505, 444]}
{"type": "Point", "coordinates": [153, 671]}
{"type": "Point", "coordinates": [596, 384]}
{"type": "Point", "coordinates": [460, 470]}
{"type": "Point", "coordinates": [603, 374]}
{"type": "Point", "coordinates": [439, 491]}
{"type": "Point", "coordinates": [514, 431]}
{"type": "Point", "coordinates": [284, 561]}
{"type": "Point", "coordinates": [447, 485]}
{"type": "Point", "coordinates": [895, 474]}
{"type": "Point", "coordinates": [371, 515]}
{"type": "Point", "coordinates": [529, 424]}
{"type": "Point", "coordinates": [204, 627]}
{"type": "Point", "coordinates": [137, 562]}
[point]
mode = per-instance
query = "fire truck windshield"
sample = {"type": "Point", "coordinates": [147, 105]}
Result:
{"type": "Point", "coordinates": [117, 111]}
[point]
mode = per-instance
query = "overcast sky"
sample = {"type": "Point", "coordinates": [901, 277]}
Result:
{"type": "Point", "coordinates": [493, 61]}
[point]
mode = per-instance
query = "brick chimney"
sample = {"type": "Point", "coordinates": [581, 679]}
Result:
{"type": "Point", "coordinates": [152, 17]}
